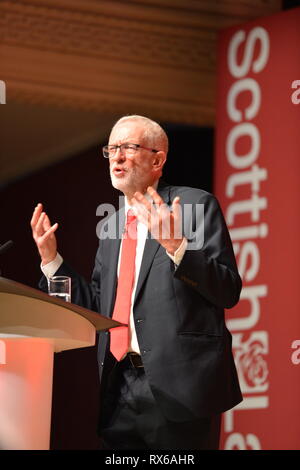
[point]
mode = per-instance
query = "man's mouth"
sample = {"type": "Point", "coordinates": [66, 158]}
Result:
{"type": "Point", "coordinates": [119, 171]}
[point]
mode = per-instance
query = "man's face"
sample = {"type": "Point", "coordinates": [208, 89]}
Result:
{"type": "Point", "coordinates": [131, 174]}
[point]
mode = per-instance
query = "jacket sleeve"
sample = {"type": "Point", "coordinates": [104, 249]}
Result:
{"type": "Point", "coordinates": [83, 293]}
{"type": "Point", "coordinates": [211, 269]}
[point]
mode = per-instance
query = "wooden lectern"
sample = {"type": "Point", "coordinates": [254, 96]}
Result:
{"type": "Point", "coordinates": [33, 326]}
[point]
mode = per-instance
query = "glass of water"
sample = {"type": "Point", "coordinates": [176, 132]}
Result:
{"type": "Point", "coordinates": [60, 287]}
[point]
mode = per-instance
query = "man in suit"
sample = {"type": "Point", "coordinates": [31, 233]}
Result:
{"type": "Point", "coordinates": [167, 376]}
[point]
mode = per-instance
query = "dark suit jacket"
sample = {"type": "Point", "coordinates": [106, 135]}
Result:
{"type": "Point", "coordinates": [178, 312]}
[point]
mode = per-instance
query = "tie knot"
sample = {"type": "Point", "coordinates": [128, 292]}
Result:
{"type": "Point", "coordinates": [131, 217]}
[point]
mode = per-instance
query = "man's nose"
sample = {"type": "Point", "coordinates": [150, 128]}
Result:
{"type": "Point", "coordinates": [118, 156]}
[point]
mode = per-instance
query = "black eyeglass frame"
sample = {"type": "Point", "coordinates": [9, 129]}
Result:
{"type": "Point", "coordinates": [105, 149]}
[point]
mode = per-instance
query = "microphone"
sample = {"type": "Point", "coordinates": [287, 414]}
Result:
{"type": "Point", "coordinates": [6, 246]}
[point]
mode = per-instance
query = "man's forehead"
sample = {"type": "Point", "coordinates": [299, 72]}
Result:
{"type": "Point", "coordinates": [127, 130]}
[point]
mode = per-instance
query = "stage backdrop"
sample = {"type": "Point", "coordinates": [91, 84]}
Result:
{"type": "Point", "coordinates": [257, 180]}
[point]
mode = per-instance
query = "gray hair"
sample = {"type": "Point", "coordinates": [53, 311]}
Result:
{"type": "Point", "coordinates": [154, 134]}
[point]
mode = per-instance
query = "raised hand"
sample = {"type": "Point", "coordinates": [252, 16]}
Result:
{"type": "Point", "coordinates": [43, 234]}
{"type": "Point", "coordinates": [165, 225]}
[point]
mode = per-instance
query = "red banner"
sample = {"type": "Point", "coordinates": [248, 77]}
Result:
{"type": "Point", "coordinates": [257, 181]}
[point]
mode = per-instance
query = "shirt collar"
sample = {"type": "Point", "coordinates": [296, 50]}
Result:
{"type": "Point", "coordinates": [147, 196]}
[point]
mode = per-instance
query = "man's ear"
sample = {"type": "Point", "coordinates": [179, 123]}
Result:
{"type": "Point", "coordinates": [159, 160]}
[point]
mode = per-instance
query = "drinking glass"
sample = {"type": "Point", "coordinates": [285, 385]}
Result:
{"type": "Point", "coordinates": [60, 287]}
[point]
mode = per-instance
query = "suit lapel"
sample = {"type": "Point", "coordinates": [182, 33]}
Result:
{"type": "Point", "coordinates": [151, 245]}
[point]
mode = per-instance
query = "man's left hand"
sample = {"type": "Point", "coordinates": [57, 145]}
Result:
{"type": "Point", "coordinates": [165, 225]}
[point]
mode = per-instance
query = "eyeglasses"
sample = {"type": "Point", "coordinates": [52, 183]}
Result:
{"type": "Point", "coordinates": [127, 150]}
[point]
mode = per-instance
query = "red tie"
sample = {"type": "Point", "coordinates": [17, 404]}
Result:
{"type": "Point", "coordinates": [119, 336]}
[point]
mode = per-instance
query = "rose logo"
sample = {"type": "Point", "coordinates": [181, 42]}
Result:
{"type": "Point", "coordinates": [251, 363]}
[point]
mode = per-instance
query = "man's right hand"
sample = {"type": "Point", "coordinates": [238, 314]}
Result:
{"type": "Point", "coordinates": [43, 234]}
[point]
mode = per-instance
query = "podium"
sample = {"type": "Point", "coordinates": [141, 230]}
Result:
{"type": "Point", "coordinates": [33, 326]}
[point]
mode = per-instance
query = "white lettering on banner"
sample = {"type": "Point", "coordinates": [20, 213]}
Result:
{"type": "Point", "coordinates": [257, 33]}
{"type": "Point", "coordinates": [237, 441]}
{"type": "Point", "coordinates": [250, 347]}
{"type": "Point", "coordinates": [296, 354]}
{"type": "Point", "coordinates": [240, 130]}
{"type": "Point", "coordinates": [296, 95]}
{"type": "Point", "coordinates": [254, 176]}
{"type": "Point", "coordinates": [249, 403]}
{"type": "Point", "coordinates": [248, 84]}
